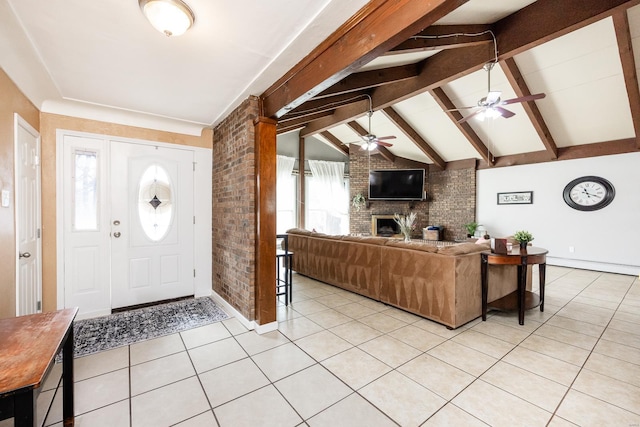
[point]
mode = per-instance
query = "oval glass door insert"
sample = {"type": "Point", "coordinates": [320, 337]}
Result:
{"type": "Point", "coordinates": [155, 202]}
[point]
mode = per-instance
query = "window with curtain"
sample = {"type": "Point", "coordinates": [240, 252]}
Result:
{"type": "Point", "coordinates": [285, 194]}
{"type": "Point", "coordinates": [327, 198]}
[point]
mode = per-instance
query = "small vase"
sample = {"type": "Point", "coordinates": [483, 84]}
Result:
{"type": "Point", "coordinates": [407, 237]}
{"type": "Point", "coordinates": [523, 246]}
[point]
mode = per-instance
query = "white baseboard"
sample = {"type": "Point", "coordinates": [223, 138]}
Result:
{"type": "Point", "coordinates": [249, 324]}
{"type": "Point", "coordinates": [269, 327]}
{"type": "Point", "coordinates": [632, 270]}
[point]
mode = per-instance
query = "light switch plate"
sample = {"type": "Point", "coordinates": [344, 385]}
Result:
{"type": "Point", "coordinates": [5, 198]}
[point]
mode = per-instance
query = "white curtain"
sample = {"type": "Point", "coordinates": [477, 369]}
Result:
{"type": "Point", "coordinates": [330, 192]}
{"type": "Point", "coordinates": [285, 194]}
{"type": "Point", "coordinates": [284, 167]}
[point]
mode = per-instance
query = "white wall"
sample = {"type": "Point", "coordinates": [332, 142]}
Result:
{"type": "Point", "coordinates": [604, 240]}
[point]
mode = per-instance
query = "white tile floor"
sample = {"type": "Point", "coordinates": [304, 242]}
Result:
{"type": "Point", "coordinates": [339, 359]}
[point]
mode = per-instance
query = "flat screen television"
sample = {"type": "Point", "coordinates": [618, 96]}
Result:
{"type": "Point", "coordinates": [396, 184]}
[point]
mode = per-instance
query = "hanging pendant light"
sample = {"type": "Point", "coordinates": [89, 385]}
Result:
{"type": "Point", "coordinates": [170, 17]}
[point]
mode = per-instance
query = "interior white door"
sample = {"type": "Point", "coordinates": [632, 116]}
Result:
{"type": "Point", "coordinates": [28, 219]}
{"type": "Point", "coordinates": [151, 224]}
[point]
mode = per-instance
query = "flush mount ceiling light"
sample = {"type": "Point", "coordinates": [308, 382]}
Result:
{"type": "Point", "coordinates": [170, 17]}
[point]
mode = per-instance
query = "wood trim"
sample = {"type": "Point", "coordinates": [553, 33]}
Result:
{"type": "Point", "coordinates": [447, 105]}
{"type": "Point", "coordinates": [625, 48]}
{"type": "Point", "coordinates": [301, 184]}
{"type": "Point", "coordinates": [265, 175]}
{"type": "Point", "coordinates": [514, 76]}
{"type": "Point", "coordinates": [411, 133]}
{"type": "Point", "coordinates": [376, 28]}
{"type": "Point", "coordinates": [335, 142]}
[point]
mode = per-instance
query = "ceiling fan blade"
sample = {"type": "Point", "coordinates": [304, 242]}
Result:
{"type": "Point", "coordinates": [470, 116]}
{"type": "Point", "coordinates": [382, 138]}
{"type": "Point", "coordinates": [493, 97]}
{"type": "Point", "coordinates": [462, 108]}
{"type": "Point", "coordinates": [384, 144]}
{"type": "Point", "coordinates": [504, 112]}
{"type": "Point", "coordinates": [523, 99]}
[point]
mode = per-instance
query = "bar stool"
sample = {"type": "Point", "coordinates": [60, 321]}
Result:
{"type": "Point", "coordinates": [284, 281]}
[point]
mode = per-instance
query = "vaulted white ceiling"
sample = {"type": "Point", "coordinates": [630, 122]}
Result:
{"type": "Point", "coordinates": [103, 60]}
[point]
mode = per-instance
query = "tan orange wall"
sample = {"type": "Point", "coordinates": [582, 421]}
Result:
{"type": "Point", "coordinates": [49, 124]}
{"type": "Point", "coordinates": [12, 100]}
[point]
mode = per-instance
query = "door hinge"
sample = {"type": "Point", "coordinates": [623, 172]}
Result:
{"type": "Point", "coordinates": [194, 272]}
{"type": "Point", "coordinates": [194, 166]}
{"type": "Point", "coordinates": [39, 305]}
{"type": "Point", "coordinates": [194, 219]}
{"type": "Point", "coordinates": [38, 233]}
{"type": "Point", "coordinates": [36, 160]}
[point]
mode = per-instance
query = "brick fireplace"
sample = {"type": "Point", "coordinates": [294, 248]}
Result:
{"type": "Point", "coordinates": [385, 226]}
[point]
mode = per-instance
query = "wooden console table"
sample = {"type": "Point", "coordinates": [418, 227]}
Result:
{"type": "Point", "coordinates": [28, 347]}
{"type": "Point", "coordinates": [520, 298]}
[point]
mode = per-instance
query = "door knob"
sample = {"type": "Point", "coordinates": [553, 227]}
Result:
{"type": "Point", "coordinates": [116, 234]}
{"type": "Point", "coordinates": [24, 255]}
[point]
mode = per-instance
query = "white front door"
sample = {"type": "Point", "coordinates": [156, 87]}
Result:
{"type": "Point", "coordinates": [152, 223]}
{"type": "Point", "coordinates": [28, 220]}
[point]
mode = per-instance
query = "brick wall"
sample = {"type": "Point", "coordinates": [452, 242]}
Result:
{"type": "Point", "coordinates": [451, 196]}
{"type": "Point", "coordinates": [234, 212]}
{"type": "Point", "coordinates": [452, 200]}
{"type": "Point", "coordinates": [359, 166]}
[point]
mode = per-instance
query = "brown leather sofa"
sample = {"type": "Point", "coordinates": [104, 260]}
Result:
{"type": "Point", "coordinates": [439, 283]}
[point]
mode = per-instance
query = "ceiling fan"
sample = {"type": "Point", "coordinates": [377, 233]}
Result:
{"type": "Point", "coordinates": [370, 141]}
{"type": "Point", "coordinates": [491, 105]}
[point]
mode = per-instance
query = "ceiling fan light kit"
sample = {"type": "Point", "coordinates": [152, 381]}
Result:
{"type": "Point", "coordinates": [170, 17]}
{"type": "Point", "coordinates": [490, 107]}
{"type": "Point", "coordinates": [370, 142]}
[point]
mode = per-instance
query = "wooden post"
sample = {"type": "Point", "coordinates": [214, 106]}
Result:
{"type": "Point", "coordinates": [265, 164]}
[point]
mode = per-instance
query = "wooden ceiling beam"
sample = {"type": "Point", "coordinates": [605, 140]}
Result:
{"type": "Point", "coordinates": [357, 128]}
{"type": "Point", "coordinates": [444, 37]}
{"type": "Point", "coordinates": [290, 124]}
{"type": "Point", "coordinates": [625, 48]}
{"type": "Point", "coordinates": [341, 116]}
{"type": "Point", "coordinates": [514, 76]}
{"type": "Point", "coordinates": [369, 79]}
{"type": "Point", "coordinates": [606, 148]}
{"type": "Point", "coordinates": [449, 108]}
{"type": "Point", "coordinates": [515, 33]}
{"type": "Point", "coordinates": [411, 133]}
{"type": "Point", "coordinates": [330, 103]}
{"type": "Point", "coordinates": [377, 27]}
{"type": "Point", "coordinates": [335, 142]}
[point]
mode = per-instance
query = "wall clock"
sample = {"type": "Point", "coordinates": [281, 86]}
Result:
{"type": "Point", "coordinates": [588, 193]}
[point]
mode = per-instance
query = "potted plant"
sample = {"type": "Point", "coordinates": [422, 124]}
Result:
{"type": "Point", "coordinates": [523, 237]}
{"type": "Point", "coordinates": [471, 228]}
{"type": "Point", "coordinates": [407, 224]}
{"type": "Point", "coordinates": [358, 202]}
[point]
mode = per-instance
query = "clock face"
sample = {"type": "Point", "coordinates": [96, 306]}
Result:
{"type": "Point", "coordinates": [588, 193]}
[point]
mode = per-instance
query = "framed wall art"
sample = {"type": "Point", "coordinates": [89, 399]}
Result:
{"type": "Point", "coordinates": [516, 198]}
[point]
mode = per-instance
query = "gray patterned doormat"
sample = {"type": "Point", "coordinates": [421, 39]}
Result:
{"type": "Point", "coordinates": [129, 327]}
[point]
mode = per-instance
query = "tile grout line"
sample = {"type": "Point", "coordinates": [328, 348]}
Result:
{"type": "Point", "coordinates": [582, 367]}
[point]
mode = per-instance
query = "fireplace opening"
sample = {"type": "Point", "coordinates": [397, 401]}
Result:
{"type": "Point", "coordinates": [384, 226]}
